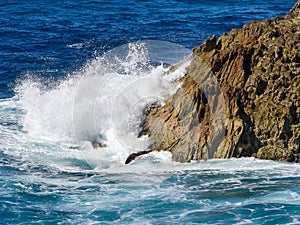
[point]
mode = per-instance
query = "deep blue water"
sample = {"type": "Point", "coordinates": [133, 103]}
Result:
{"type": "Point", "coordinates": [52, 38]}
{"type": "Point", "coordinates": [50, 61]}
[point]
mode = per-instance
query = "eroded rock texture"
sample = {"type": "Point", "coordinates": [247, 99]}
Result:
{"type": "Point", "coordinates": [253, 110]}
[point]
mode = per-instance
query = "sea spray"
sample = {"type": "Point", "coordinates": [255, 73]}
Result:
{"type": "Point", "coordinates": [104, 102]}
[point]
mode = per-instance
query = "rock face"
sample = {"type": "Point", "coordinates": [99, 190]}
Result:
{"type": "Point", "coordinates": [239, 97]}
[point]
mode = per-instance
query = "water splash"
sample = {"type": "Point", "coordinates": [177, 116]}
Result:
{"type": "Point", "coordinates": [103, 102]}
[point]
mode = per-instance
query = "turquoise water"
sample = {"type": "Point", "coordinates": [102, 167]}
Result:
{"type": "Point", "coordinates": [69, 77]}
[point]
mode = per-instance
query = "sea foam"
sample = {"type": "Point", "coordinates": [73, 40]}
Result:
{"type": "Point", "coordinates": [104, 102]}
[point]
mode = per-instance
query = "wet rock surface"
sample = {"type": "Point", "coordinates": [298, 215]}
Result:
{"type": "Point", "coordinates": [253, 110]}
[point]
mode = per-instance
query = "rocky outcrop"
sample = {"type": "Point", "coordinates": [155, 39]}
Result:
{"type": "Point", "coordinates": [239, 97]}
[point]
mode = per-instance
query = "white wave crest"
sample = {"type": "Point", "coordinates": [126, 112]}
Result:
{"type": "Point", "coordinates": [104, 102]}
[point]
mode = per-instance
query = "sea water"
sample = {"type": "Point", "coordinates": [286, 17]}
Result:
{"type": "Point", "coordinates": [78, 72]}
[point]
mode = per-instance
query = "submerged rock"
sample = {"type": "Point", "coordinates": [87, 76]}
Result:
{"type": "Point", "coordinates": [254, 110]}
{"type": "Point", "coordinates": [97, 144]}
{"type": "Point", "coordinates": [134, 156]}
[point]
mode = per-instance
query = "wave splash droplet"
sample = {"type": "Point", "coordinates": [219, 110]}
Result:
{"type": "Point", "coordinates": [104, 102]}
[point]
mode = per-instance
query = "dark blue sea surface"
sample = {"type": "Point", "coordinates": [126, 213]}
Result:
{"type": "Point", "coordinates": [52, 38]}
{"type": "Point", "coordinates": [64, 82]}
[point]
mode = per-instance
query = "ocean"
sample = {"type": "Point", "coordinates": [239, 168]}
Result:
{"type": "Point", "coordinates": [75, 73]}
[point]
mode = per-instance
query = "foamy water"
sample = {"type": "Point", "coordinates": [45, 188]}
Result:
{"type": "Point", "coordinates": [104, 102]}
{"type": "Point", "coordinates": [50, 171]}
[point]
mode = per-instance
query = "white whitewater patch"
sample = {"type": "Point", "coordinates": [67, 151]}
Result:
{"type": "Point", "coordinates": [162, 162]}
{"type": "Point", "coordinates": [103, 102]}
